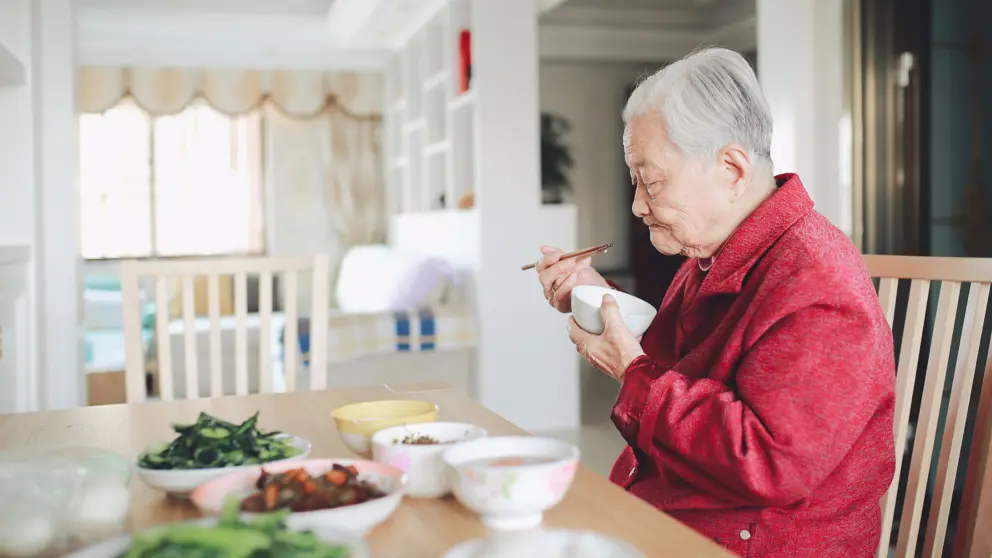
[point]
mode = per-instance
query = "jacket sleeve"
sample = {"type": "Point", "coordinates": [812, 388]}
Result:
{"type": "Point", "coordinates": [806, 388]}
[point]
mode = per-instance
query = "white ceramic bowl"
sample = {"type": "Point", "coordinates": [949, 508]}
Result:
{"type": "Point", "coordinates": [545, 544]}
{"type": "Point", "coordinates": [357, 519]}
{"type": "Point", "coordinates": [427, 474]}
{"type": "Point", "coordinates": [587, 300]}
{"type": "Point", "coordinates": [119, 546]}
{"type": "Point", "coordinates": [180, 482]}
{"type": "Point", "coordinates": [508, 495]}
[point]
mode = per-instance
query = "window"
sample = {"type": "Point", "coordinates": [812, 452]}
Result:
{"type": "Point", "coordinates": [182, 185]}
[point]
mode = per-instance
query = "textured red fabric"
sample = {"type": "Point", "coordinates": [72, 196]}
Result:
{"type": "Point", "coordinates": [761, 414]}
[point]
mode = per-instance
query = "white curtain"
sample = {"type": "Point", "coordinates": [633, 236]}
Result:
{"type": "Point", "coordinates": [327, 189]}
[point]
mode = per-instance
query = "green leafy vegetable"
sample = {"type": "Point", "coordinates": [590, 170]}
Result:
{"type": "Point", "coordinates": [264, 537]}
{"type": "Point", "coordinates": [211, 442]}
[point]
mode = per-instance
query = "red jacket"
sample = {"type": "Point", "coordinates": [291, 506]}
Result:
{"type": "Point", "coordinates": [761, 415]}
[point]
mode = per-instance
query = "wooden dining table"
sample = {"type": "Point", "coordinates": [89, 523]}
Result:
{"type": "Point", "coordinates": [420, 528]}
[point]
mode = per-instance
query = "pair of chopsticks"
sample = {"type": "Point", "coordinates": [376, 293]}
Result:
{"type": "Point", "coordinates": [587, 252]}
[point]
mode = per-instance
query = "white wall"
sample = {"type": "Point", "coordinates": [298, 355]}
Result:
{"type": "Point", "coordinates": [17, 131]}
{"type": "Point", "coordinates": [17, 190]}
{"type": "Point", "coordinates": [590, 95]}
{"type": "Point", "coordinates": [802, 79]}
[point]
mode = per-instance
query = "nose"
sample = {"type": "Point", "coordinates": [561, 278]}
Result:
{"type": "Point", "coordinates": [640, 207]}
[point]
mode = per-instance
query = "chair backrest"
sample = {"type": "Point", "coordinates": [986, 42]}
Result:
{"type": "Point", "coordinates": [919, 274]}
{"type": "Point", "coordinates": [186, 270]}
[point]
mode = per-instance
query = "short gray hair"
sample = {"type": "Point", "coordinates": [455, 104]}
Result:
{"type": "Point", "coordinates": [708, 100]}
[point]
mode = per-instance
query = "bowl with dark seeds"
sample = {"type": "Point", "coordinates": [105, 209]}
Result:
{"type": "Point", "coordinates": [418, 450]}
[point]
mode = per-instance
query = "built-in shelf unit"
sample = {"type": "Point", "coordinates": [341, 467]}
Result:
{"type": "Point", "coordinates": [429, 119]}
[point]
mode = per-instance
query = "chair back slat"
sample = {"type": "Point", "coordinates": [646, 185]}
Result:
{"type": "Point", "coordinates": [241, 333]}
{"type": "Point", "coordinates": [163, 354]}
{"type": "Point", "coordinates": [290, 344]}
{"type": "Point", "coordinates": [216, 357]}
{"type": "Point", "coordinates": [888, 288]}
{"type": "Point", "coordinates": [909, 357]}
{"type": "Point", "coordinates": [178, 278]}
{"type": "Point", "coordinates": [318, 328]}
{"type": "Point", "coordinates": [926, 504]}
{"type": "Point", "coordinates": [189, 337]}
{"type": "Point", "coordinates": [265, 331]}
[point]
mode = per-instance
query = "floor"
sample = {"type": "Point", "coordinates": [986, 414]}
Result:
{"type": "Point", "coordinates": [597, 438]}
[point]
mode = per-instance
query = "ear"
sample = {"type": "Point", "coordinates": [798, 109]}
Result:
{"type": "Point", "coordinates": [734, 168]}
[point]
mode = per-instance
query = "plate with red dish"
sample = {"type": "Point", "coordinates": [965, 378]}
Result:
{"type": "Point", "coordinates": [351, 495]}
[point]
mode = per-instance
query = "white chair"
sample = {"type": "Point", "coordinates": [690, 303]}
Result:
{"type": "Point", "coordinates": [160, 271]}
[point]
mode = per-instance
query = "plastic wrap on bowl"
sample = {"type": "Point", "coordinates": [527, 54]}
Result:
{"type": "Point", "coordinates": [57, 497]}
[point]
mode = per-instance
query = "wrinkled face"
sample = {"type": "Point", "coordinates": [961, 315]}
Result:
{"type": "Point", "coordinates": [684, 203]}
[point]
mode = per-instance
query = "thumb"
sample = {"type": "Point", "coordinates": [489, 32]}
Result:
{"type": "Point", "coordinates": [549, 249]}
{"type": "Point", "coordinates": [610, 311]}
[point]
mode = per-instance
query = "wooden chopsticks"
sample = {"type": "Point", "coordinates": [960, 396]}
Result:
{"type": "Point", "coordinates": [587, 252]}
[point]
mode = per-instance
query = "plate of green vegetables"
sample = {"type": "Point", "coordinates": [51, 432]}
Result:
{"type": "Point", "coordinates": [211, 447]}
{"type": "Point", "coordinates": [229, 536]}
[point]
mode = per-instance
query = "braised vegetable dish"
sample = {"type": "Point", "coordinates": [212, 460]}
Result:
{"type": "Point", "coordinates": [265, 536]}
{"type": "Point", "coordinates": [211, 442]}
{"type": "Point", "coordinates": [300, 491]}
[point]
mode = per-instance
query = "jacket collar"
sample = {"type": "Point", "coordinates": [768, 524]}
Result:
{"type": "Point", "coordinates": [756, 235]}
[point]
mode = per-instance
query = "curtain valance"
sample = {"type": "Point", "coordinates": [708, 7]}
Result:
{"type": "Point", "coordinates": [297, 93]}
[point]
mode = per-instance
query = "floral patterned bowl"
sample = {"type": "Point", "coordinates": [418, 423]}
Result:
{"type": "Point", "coordinates": [512, 480]}
{"type": "Point", "coordinates": [418, 450]}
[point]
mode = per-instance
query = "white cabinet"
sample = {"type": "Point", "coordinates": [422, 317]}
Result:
{"type": "Point", "coordinates": [18, 387]}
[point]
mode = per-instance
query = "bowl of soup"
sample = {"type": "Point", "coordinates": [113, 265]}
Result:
{"type": "Point", "coordinates": [418, 450]}
{"type": "Point", "coordinates": [510, 481]}
{"type": "Point", "coordinates": [587, 300]}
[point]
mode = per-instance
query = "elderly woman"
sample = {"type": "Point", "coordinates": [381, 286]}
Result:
{"type": "Point", "coordinates": [758, 406]}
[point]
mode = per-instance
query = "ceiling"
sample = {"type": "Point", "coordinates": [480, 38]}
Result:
{"type": "Point", "coordinates": [357, 34]}
{"type": "Point", "coordinates": [229, 7]}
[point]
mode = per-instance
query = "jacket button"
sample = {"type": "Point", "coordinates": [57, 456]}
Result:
{"type": "Point", "coordinates": [745, 535]}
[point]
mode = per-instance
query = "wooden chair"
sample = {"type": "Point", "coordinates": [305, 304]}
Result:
{"type": "Point", "coordinates": [161, 271]}
{"type": "Point", "coordinates": [973, 537]}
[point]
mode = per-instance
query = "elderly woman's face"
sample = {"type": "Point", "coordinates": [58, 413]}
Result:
{"type": "Point", "coordinates": [682, 202]}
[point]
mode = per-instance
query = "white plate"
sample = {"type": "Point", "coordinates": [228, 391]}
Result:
{"type": "Point", "coordinates": [357, 519]}
{"type": "Point", "coordinates": [545, 544]}
{"type": "Point", "coordinates": [116, 547]}
{"type": "Point", "coordinates": [180, 482]}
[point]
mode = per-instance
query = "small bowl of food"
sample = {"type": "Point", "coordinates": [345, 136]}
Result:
{"type": "Point", "coordinates": [212, 447]}
{"type": "Point", "coordinates": [231, 535]}
{"type": "Point", "coordinates": [418, 450]}
{"type": "Point", "coordinates": [510, 481]}
{"type": "Point", "coordinates": [349, 495]}
{"type": "Point", "coordinates": [586, 302]}
{"type": "Point", "coordinates": [357, 422]}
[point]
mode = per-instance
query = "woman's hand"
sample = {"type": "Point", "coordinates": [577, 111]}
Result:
{"type": "Point", "coordinates": [614, 350]}
{"type": "Point", "coordinates": [558, 277]}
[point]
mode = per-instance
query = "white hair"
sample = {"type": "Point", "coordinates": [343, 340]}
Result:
{"type": "Point", "coordinates": [708, 100]}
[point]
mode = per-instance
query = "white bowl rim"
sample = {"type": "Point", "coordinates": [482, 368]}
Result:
{"type": "Point", "coordinates": [399, 488]}
{"type": "Point", "coordinates": [642, 304]}
{"type": "Point", "coordinates": [571, 449]}
{"type": "Point", "coordinates": [618, 544]}
{"type": "Point", "coordinates": [301, 443]}
{"type": "Point", "coordinates": [385, 437]}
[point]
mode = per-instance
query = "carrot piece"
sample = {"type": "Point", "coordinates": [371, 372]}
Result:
{"type": "Point", "coordinates": [309, 487]}
{"type": "Point", "coordinates": [271, 496]}
{"type": "Point", "coordinates": [337, 478]}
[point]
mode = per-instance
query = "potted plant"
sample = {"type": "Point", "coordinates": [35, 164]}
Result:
{"type": "Point", "coordinates": [556, 158]}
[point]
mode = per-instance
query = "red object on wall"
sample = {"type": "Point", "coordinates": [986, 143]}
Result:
{"type": "Point", "coordinates": [464, 60]}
